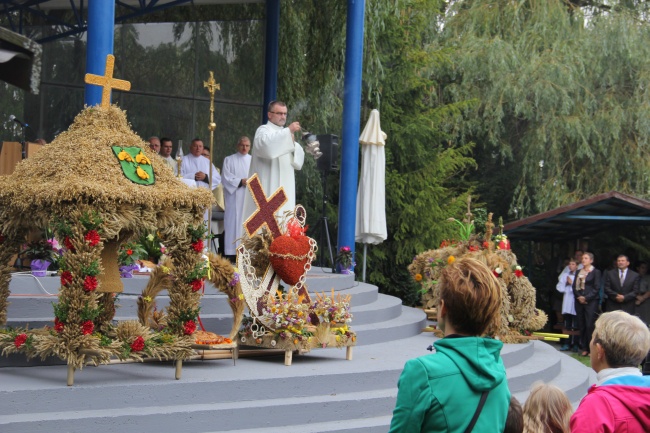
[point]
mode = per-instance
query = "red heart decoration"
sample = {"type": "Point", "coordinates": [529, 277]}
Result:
{"type": "Point", "coordinates": [289, 255]}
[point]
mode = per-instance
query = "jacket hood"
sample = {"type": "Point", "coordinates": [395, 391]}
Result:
{"type": "Point", "coordinates": [478, 360]}
{"type": "Point", "coordinates": [634, 398]}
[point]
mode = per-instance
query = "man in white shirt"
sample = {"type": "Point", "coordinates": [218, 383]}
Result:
{"type": "Point", "coordinates": [197, 167]}
{"type": "Point", "coordinates": [154, 144]}
{"type": "Point", "coordinates": [166, 153]}
{"type": "Point", "coordinates": [275, 157]}
{"type": "Point", "coordinates": [235, 176]}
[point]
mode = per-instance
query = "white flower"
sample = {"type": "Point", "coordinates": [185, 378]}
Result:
{"type": "Point", "coordinates": [243, 339]}
{"type": "Point", "coordinates": [498, 270]}
{"type": "Point", "coordinates": [518, 268]}
{"type": "Point", "coordinates": [150, 237]}
{"type": "Point", "coordinates": [273, 343]}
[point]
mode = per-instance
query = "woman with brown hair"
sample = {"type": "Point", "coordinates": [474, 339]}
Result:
{"type": "Point", "coordinates": [462, 386]}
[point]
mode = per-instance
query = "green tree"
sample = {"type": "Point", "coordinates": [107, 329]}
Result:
{"type": "Point", "coordinates": [563, 101]}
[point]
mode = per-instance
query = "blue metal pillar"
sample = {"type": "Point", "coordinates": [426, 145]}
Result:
{"type": "Point", "coordinates": [351, 120]}
{"type": "Point", "coordinates": [101, 24]}
{"type": "Point", "coordinates": [271, 54]}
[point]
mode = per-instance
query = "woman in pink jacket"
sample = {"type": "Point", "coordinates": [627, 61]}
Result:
{"type": "Point", "coordinates": [620, 400]}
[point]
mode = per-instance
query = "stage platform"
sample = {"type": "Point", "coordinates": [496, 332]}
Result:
{"type": "Point", "coordinates": [320, 392]}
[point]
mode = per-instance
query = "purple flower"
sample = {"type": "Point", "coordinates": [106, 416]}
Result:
{"type": "Point", "coordinates": [235, 279]}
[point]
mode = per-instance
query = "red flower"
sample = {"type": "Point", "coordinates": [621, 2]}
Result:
{"type": "Point", "coordinates": [444, 244]}
{"type": "Point", "coordinates": [66, 278]}
{"type": "Point", "coordinates": [198, 245]}
{"type": "Point", "coordinates": [90, 283]}
{"type": "Point", "coordinates": [189, 327]}
{"type": "Point", "coordinates": [196, 285]}
{"type": "Point", "coordinates": [486, 245]}
{"type": "Point", "coordinates": [92, 237]}
{"type": "Point", "coordinates": [68, 243]}
{"type": "Point", "coordinates": [129, 252]}
{"type": "Point", "coordinates": [58, 325]}
{"type": "Point", "coordinates": [473, 248]}
{"type": "Point", "coordinates": [87, 327]}
{"type": "Point", "coordinates": [496, 274]}
{"type": "Point", "coordinates": [138, 344]}
{"type": "Point", "coordinates": [519, 273]}
{"type": "Point", "coordinates": [20, 340]}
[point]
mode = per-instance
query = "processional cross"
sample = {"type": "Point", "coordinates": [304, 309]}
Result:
{"type": "Point", "coordinates": [108, 82]}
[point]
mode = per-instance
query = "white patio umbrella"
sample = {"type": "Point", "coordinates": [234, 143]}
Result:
{"type": "Point", "coordinates": [371, 196]}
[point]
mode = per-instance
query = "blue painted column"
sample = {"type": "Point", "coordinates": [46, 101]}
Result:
{"type": "Point", "coordinates": [101, 24]}
{"type": "Point", "coordinates": [351, 120]}
{"type": "Point", "coordinates": [271, 54]}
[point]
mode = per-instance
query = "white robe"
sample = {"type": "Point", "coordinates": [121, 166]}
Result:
{"type": "Point", "coordinates": [275, 157]}
{"type": "Point", "coordinates": [235, 168]}
{"type": "Point", "coordinates": [192, 164]}
{"type": "Point", "coordinates": [172, 163]}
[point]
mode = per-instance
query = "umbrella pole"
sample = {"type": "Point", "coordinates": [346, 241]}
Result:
{"type": "Point", "coordinates": [365, 251]}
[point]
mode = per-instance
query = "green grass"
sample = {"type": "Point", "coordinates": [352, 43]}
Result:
{"type": "Point", "coordinates": [584, 359]}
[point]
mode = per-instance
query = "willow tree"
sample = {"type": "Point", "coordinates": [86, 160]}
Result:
{"type": "Point", "coordinates": [563, 97]}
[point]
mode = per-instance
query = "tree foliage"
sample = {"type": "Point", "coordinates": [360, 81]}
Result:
{"type": "Point", "coordinates": [563, 97]}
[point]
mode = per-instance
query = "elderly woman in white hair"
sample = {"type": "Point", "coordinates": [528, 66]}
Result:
{"type": "Point", "coordinates": [620, 400]}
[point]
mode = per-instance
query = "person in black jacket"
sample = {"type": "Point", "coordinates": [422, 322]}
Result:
{"type": "Point", "coordinates": [586, 290]}
{"type": "Point", "coordinates": [621, 286]}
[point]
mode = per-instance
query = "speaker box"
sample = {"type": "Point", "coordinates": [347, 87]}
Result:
{"type": "Point", "coordinates": [329, 146]}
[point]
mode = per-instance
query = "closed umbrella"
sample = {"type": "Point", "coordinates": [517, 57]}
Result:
{"type": "Point", "coordinates": [371, 196]}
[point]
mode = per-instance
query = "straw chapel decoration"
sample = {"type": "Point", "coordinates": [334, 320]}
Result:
{"type": "Point", "coordinates": [519, 316]}
{"type": "Point", "coordinates": [76, 185]}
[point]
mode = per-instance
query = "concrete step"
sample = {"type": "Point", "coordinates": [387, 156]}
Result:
{"type": "Point", "coordinates": [199, 416]}
{"type": "Point", "coordinates": [410, 322]}
{"type": "Point", "coordinates": [378, 424]}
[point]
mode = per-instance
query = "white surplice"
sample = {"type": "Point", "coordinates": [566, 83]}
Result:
{"type": "Point", "coordinates": [235, 168]}
{"type": "Point", "coordinates": [192, 164]}
{"type": "Point", "coordinates": [275, 157]}
{"type": "Point", "coordinates": [172, 163]}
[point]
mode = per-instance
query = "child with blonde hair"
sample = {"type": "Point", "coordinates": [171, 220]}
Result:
{"type": "Point", "coordinates": [547, 410]}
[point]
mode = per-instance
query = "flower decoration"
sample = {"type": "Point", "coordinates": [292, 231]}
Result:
{"type": "Point", "coordinates": [197, 245]}
{"type": "Point", "coordinates": [87, 327]}
{"type": "Point", "coordinates": [486, 245]}
{"type": "Point", "coordinates": [20, 340]}
{"type": "Point", "coordinates": [518, 271]}
{"type": "Point", "coordinates": [92, 237]}
{"type": "Point", "coordinates": [138, 344]}
{"type": "Point", "coordinates": [90, 283]}
{"type": "Point", "coordinates": [450, 260]}
{"type": "Point", "coordinates": [474, 248]}
{"type": "Point", "coordinates": [189, 327]}
{"type": "Point", "coordinates": [235, 280]}
{"type": "Point", "coordinates": [66, 278]}
{"type": "Point", "coordinates": [67, 243]}
{"type": "Point", "coordinates": [130, 253]}
{"type": "Point", "coordinates": [502, 242]}
{"type": "Point", "coordinates": [418, 277]}
{"type": "Point", "coordinates": [58, 325]}
{"type": "Point", "coordinates": [41, 249]}
{"type": "Point", "coordinates": [497, 272]}
{"type": "Point", "coordinates": [345, 258]}
{"type": "Point", "coordinates": [196, 285]}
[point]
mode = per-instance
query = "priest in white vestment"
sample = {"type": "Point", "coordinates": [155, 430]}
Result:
{"type": "Point", "coordinates": [198, 168]}
{"type": "Point", "coordinates": [235, 175]}
{"type": "Point", "coordinates": [166, 154]}
{"type": "Point", "coordinates": [275, 157]}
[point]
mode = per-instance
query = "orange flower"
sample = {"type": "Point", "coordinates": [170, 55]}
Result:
{"type": "Point", "coordinates": [450, 260]}
{"type": "Point", "coordinates": [418, 277]}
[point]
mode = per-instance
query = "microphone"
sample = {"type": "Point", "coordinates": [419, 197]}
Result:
{"type": "Point", "coordinates": [13, 118]}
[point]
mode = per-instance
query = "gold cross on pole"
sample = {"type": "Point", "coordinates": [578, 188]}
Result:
{"type": "Point", "coordinates": [107, 81]}
{"type": "Point", "coordinates": [211, 85]}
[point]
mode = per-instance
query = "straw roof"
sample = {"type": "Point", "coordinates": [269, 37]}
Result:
{"type": "Point", "coordinates": [79, 167]}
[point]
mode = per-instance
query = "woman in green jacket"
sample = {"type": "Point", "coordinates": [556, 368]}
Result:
{"type": "Point", "coordinates": [442, 392]}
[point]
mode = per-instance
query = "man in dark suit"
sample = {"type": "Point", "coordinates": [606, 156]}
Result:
{"type": "Point", "coordinates": [621, 286]}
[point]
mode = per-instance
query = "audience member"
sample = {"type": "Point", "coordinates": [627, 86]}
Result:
{"type": "Point", "coordinates": [166, 153]}
{"type": "Point", "coordinates": [235, 175]}
{"type": "Point", "coordinates": [154, 143]}
{"type": "Point", "coordinates": [462, 386]}
{"type": "Point", "coordinates": [547, 410]}
{"type": "Point", "coordinates": [197, 167]}
{"type": "Point", "coordinates": [641, 304]}
{"type": "Point", "coordinates": [515, 420]}
{"type": "Point", "coordinates": [565, 286]}
{"type": "Point", "coordinates": [586, 290]}
{"type": "Point", "coordinates": [621, 286]}
{"type": "Point", "coordinates": [620, 400]}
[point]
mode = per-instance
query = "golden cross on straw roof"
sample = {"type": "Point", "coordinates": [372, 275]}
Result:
{"type": "Point", "coordinates": [107, 81]}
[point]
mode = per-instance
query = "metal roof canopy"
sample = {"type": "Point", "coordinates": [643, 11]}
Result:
{"type": "Point", "coordinates": [584, 218]}
{"type": "Point", "coordinates": [15, 11]}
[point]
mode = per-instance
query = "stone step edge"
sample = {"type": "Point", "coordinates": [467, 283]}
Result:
{"type": "Point", "coordinates": [210, 409]}
{"type": "Point", "coordinates": [380, 423]}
